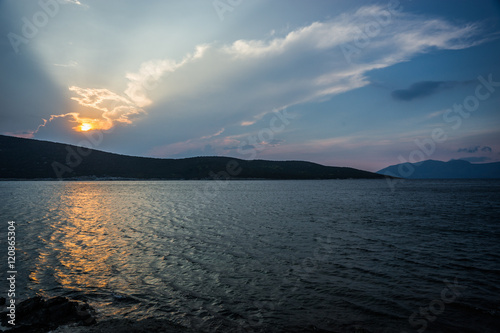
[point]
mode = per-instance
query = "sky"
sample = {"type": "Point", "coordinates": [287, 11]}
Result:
{"type": "Point", "coordinates": [363, 84]}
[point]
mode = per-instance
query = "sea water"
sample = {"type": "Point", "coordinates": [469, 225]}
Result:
{"type": "Point", "coordinates": [264, 256]}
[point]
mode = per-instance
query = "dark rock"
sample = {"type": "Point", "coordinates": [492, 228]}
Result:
{"type": "Point", "coordinates": [39, 315]}
{"type": "Point", "coordinates": [2, 301]}
{"type": "Point", "coordinates": [143, 326]}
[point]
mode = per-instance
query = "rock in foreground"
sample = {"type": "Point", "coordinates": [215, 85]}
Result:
{"type": "Point", "coordinates": [42, 315]}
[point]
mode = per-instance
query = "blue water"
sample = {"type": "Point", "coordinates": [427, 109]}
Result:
{"type": "Point", "coordinates": [264, 256]}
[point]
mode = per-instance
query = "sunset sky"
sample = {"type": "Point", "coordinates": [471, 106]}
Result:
{"type": "Point", "coordinates": [342, 83]}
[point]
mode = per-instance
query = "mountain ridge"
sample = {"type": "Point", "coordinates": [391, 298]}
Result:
{"type": "Point", "coordinates": [434, 169]}
{"type": "Point", "coordinates": [37, 159]}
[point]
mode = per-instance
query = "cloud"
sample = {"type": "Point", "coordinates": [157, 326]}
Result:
{"type": "Point", "coordinates": [306, 64]}
{"type": "Point", "coordinates": [191, 147]}
{"type": "Point", "coordinates": [114, 107]}
{"type": "Point", "coordinates": [151, 72]}
{"type": "Point", "coordinates": [247, 122]}
{"type": "Point", "coordinates": [469, 150]}
{"type": "Point", "coordinates": [21, 134]}
{"type": "Point", "coordinates": [75, 2]}
{"type": "Point", "coordinates": [111, 109]}
{"type": "Point", "coordinates": [227, 85]}
{"type": "Point", "coordinates": [69, 64]}
{"type": "Point", "coordinates": [410, 34]}
{"type": "Point", "coordinates": [241, 82]}
{"type": "Point", "coordinates": [422, 89]}
{"type": "Point", "coordinates": [475, 149]}
{"type": "Point", "coordinates": [476, 159]}
{"type": "Point", "coordinates": [213, 135]}
{"type": "Point", "coordinates": [435, 114]}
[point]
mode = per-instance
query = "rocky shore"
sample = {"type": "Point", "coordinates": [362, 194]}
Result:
{"type": "Point", "coordinates": [42, 315]}
{"type": "Point", "coordinates": [61, 315]}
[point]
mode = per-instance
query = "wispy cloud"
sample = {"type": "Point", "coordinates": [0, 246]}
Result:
{"type": "Point", "coordinates": [21, 134]}
{"type": "Point", "coordinates": [151, 72]}
{"type": "Point", "coordinates": [476, 159]}
{"type": "Point", "coordinates": [112, 109]}
{"type": "Point", "coordinates": [469, 150]}
{"type": "Point", "coordinates": [117, 108]}
{"type": "Point", "coordinates": [74, 2]}
{"type": "Point", "coordinates": [307, 64]}
{"type": "Point", "coordinates": [475, 149]}
{"type": "Point", "coordinates": [422, 89]}
{"type": "Point", "coordinates": [252, 77]}
{"type": "Point", "coordinates": [242, 81]}
{"type": "Point", "coordinates": [69, 64]}
{"type": "Point", "coordinates": [213, 135]}
{"type": "Point", "coordinates": [195, 146]}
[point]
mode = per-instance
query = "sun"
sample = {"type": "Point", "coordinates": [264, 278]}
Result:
{"type": "Point", "coordinates": [85, 127]}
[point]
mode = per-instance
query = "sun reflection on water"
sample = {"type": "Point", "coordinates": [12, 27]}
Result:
{"type": "Point", "coordinates": [86, 245]}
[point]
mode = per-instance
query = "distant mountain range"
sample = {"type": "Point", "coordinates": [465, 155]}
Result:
{"type": "Point", "coordinates": [454, 169]}
{"type": "Point", "coordinates": [34, 159]}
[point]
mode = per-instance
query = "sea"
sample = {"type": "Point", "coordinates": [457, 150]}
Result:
{"type": "Point", "coordinates": [263, 255]}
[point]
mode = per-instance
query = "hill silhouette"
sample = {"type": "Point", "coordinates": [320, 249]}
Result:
{"type": "Point", "coordinates": [454, 169]}
{"type": "Point", "coordinates": [35, 159]}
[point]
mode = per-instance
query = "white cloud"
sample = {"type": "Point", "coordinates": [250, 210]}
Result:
{"type": "Point", "coordinates": [75, 2]}
{"type": "Point", "coordinates": [113, 109]}
{"type": "Point", "coordinates": [69, 64]}
{"type": "Point", "coordinates": [239, 83]}
{"type": "Point", "coordinates": [219, 132]}
{"type": "Point", "coordinates": [308, 62]}
{"type": "Point", "coordinates": [247, 79]}
{"type": "Point", "coordinates": [195, 145]}
{"type": "Point", "coordinates": [147, 79]}
{"type": "Point", "coordinates": [150, 73]}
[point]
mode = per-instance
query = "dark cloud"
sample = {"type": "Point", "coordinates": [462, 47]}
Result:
{"type": "Point", "coordinates": [469, 150]}
{"type": "Point", "coordinates": [276, 142]}
{"type": "Point", "coordinates": [475, 149]}
{"type": "Point", "coordinates": [207, 150]}
{"type": "Point", "coordinates": [422, 89]}
{"type": "Point", "coordinates": [476, 159]}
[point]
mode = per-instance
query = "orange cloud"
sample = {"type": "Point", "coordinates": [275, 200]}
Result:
{"type": "Point", "coordinates": [112, 107]}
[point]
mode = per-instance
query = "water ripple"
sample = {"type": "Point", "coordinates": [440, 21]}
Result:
{"type": "Point", "coordinates": [262, 255]}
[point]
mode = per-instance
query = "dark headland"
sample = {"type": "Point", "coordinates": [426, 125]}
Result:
{"type": "Point", "coordinates": [454, 169]}
{"type": "Point", "coordinates": [35, 159]}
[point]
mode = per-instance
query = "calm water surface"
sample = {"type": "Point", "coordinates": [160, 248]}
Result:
{"type": "Point", "coordinates": [251, 256]}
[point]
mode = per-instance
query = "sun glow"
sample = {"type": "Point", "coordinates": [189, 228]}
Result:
{"type": "Point", "coordinates": [88, 124]}
{"type": "Point", "coordinates": [85, 127]}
